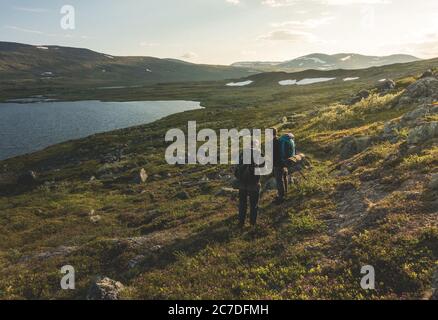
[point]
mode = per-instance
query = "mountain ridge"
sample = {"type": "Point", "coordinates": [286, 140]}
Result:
{"type": "Point", "coordinates": [57, 64]}
{"type": "Point", "coordinates": [320, 61]}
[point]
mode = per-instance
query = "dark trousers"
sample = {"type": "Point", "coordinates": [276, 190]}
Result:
{"type": "Point", "coordinates": [281, 175]}
{"type": "Point", "coordinates": [254, 195]}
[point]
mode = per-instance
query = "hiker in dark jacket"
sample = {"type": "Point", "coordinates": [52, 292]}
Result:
{"type": "Point", "coordinates": [249, 188]}
{"type": "Point", "coordinates": [280, 171]}
{"type": "Point", "coordinates": [284, 148]}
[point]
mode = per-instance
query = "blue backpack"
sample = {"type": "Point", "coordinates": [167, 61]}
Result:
{"type": "Point", "coordinates": [287, 148]}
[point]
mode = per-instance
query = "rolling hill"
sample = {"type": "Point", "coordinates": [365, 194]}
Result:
{"type": "Point", "coordinates": [319, 61]}
{"type": "Point", "coordinates": [21, 63]}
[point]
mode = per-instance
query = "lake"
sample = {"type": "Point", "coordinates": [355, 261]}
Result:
{"type": "Point", "coordinates": [29, 127]}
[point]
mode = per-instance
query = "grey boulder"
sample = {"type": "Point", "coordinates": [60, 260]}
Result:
{"type": "Point", "coordinates": [105, 289]}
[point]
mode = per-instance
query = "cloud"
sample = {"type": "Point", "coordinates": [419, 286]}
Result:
{"type": "Point", "coordinates": [348, 2]}
{"type": "Point", "coordinates": [305, 24]}
{"type": "Point", "coordinates": [425, 46]}
{"type": "Point", "coordinates": [33, 10]}
{"type": "Point", "coordinates": [24, 30]}
{"type": "Point", "coordinates": [286, 3]}
{"type": "Point", "coordinates": [288, 35]}
{"type": "Point", "coordinates": [248, 52]}
{"type": "Point", "coordinates": [149, 44]}
{"type": "Point", "coordinates": [189, 55]}
{"type": "Point", "coordinates": [278, 3]}
{"type": "Point", "coordinates": [233, 2]}
{"type": "Point", "coordinates": [67, 36]}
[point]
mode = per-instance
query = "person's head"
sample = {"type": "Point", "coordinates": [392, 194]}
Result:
{"type": "Point", "coordinates": [291, 136]}
{"type": "Point", "coordinates": [274, 131]}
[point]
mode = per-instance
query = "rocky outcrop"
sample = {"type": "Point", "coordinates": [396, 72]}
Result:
{"type": "Point", "coordinates": [386, 85]}
{"type": "Point", "coordinates": [433, 184]}
{"type": "Point", "coordinates": [105, 289]}
{"type": "Point", "coordinates": [423, 133]}
{"type": "Point", "coordinates": [363, 94]}
{"type": "Point", "coordinates": [424, 90]}
{"type": "Point", "coordinates": [60, 251]}
{"type": "Point", "coordinates": [420, 112]}
{"type": "Point", "coordinates": [415, 122]}
{"type": "Point", "coordinates": [350, 146]}
{"type": "Point", "coordinates": [427, 74]}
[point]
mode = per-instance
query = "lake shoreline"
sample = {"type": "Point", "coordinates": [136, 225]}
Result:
{"type": "Point", "coordinates": [83, 119]}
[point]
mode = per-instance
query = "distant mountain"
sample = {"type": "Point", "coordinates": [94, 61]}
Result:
{"type": "Point", "coordinates": [319, 61]}
{"type": "Point", "coordinates": [24, 63]}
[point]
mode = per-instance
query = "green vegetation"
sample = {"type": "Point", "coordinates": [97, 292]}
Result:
{"type": "Point", "coordinates": [372, 208]}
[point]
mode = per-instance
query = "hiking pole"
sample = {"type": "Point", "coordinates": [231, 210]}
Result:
{"type": "Point", "coordinates": [302, 174]}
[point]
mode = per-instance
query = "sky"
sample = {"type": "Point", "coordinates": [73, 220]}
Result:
{"type": "Point", "coordinates": [227, 31]}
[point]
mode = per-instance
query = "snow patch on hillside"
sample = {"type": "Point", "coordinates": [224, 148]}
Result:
{"type": "Point", "coordinates": [351, 78]}
{"type": "Point", "coordinates": [287, 82]}
{"type": "Point", "coordinates": [316, 60]}
{"type": "Point", "coordinates": [305, 81]}
{"type": "Point", "coordinates": [239, 84]}
{"type": "Point", "coordinates": [313, 80]}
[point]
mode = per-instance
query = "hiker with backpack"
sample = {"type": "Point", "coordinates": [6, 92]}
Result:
{"type": "Point", "coordinates": [249, 188]}
{"type": "Point", "coordinates": [284, 149]}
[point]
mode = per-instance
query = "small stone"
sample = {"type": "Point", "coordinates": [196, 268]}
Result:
{"type": "Point", "coordinates": [228, 192]}
{"type": "Point", "coordinates": [143, 175]}
{"type": "Point", "coordinates": [135, 261]}
{"type": "Point", "coordinates": [386, 85]}
{"type": "Point", "coordinates": [156, 248]}
{"type": "Point", "coordinates": [363, 94]}
{"type": "Point", "coordinates": [105, 289]}
{"type": "Point", "coordinates": [183, 195]}
{"type": "Point", "coordinates": [95, 219]}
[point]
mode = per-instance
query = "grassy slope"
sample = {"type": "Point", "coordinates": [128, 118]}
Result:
{"type": "Point", "coordinates": [22, 66]}
{"type": "Point", "coordinates": [313, 246]}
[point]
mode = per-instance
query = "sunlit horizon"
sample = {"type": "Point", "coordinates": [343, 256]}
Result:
{"type": "Point", "coordinates": [228, 31]}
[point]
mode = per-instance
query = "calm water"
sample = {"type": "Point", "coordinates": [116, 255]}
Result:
{"type": "Point", "coordinates": [31, 127]}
